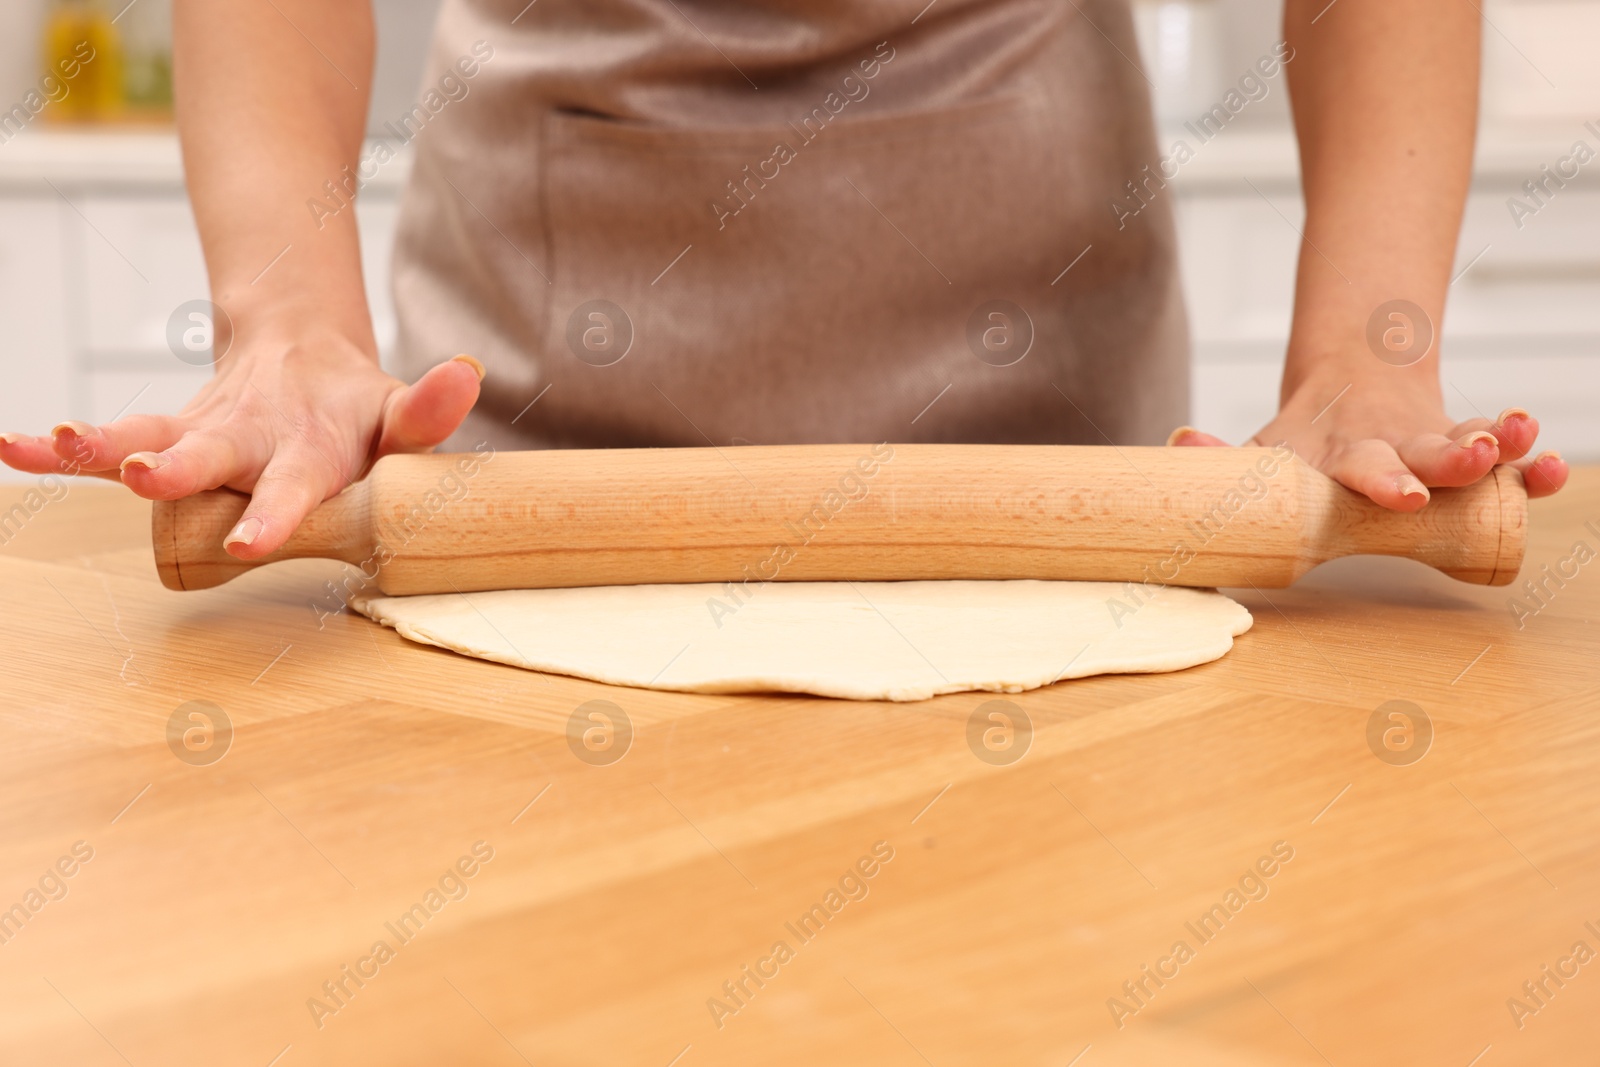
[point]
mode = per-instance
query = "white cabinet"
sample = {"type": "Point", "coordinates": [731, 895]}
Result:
{"type": "Point", "coordinates": [131, 260]}
{"type": "Point", "coordinates": [1537, 284]}
{"type": "Point", "coordinates": [35, 371]}
{"type": "Point", "coordinates": [138, 258]}
{"type": "Point", "coordinates": [1237, 256]}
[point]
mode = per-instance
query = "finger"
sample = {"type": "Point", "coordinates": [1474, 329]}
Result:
{"type": "Point", "coordinates": [421, 415]}
{"type": "Point", "coordinates": [1515, 430]}
{"type": "Point", "coordinates": [37, 455]}
{"type": "Point", "coordinates": [1543, 474]}
{"type": "Point", "coordinates": [296, 481]}
{"type": "Point", "coordinates": [1373, 468]}
{"type": "Point", "coordinates": [102, 448]}
{"type": "Point", "coordinates": [201, 460]}
{"type": "Point", "coordinates": [1188, 436]}
{"type": "Point", "coordinates": [1439, 461]}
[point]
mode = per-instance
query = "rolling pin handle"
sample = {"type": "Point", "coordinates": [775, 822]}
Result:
{"type": "Point", "coordinates": [187, 535]}
{"type": "Point", "coordinates": [179, 529]}
{"type": "Point", "coordinates": [1476, 533]}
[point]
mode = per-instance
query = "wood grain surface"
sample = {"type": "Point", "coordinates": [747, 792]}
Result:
{"type": "Point", "coordinates": [607, 904]}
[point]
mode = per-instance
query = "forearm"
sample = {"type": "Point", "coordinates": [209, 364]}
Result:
{"type": "Point", "coordinates": [1385, 96]}
{"type": "Point", "coordinates": [266, 117]}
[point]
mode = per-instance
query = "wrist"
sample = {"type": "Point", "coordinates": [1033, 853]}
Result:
{"type": "Point", "coordinates": [311, 288]}
{"type": "Point", "coordinates": [306, 342]}
{"type": "Point", "coordinates": [1329, 382]}
{"type": "Point", "coordinates": [1313, 369]}
{"type": "Point", "coordinates": [1383, 335]}
{"type": "Point", "coordinates": [341, 326]}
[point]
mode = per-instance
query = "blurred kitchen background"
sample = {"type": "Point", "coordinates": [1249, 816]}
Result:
{"type": "Point", "coordinates": [97, 244]}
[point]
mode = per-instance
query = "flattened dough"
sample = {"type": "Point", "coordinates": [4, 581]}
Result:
{"type": "Point", "coordinates": [854, 640]}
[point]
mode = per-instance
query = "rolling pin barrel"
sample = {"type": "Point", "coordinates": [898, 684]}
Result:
{"type": "Point", "coordinates": [1172, 516]}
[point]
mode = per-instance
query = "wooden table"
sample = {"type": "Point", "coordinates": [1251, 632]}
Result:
{"type": "Point", "coordinates": [221, 895]}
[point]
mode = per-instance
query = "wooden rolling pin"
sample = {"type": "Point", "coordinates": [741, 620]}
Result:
{"type": "Point", "coordinates": [1178, 516]}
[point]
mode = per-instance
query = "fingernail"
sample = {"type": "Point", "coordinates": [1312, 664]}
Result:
{"type": "Point", "coordinates": [147, 460]}
{"type": "Point", "coordinates": [471, 362]}
{"type": "Point", "coordinates": [1410, 485]}
{"type": "Point", "coordinates": [245, 533]}
{"type": "Point", "coordinates": [1179, 434]}
{"type": "Point", "coordinates": [78, 429]}
{"type": "Point", "coordinates": [10, 438]}
{"type": "Point", "coordinates": [1534, 470]}
{"type": "Point", "coordinates": [1472, 439]}
{"type": "Point", "coordinates": [1511, 413]}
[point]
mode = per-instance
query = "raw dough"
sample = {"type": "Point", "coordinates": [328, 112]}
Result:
{"type": "Point", "coordinates": [856, 640]}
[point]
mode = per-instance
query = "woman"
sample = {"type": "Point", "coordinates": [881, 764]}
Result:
{"type": "Point", "coordinates": [686, 222]}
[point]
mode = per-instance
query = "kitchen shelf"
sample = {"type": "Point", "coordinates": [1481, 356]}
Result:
{"type": "Point", "coordinates": [1261, 151]}
{"type": "Point", "coordinates": [125, 160]}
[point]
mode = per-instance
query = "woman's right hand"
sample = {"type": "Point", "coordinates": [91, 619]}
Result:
{"type": "Point", "coordinates": [292, 417]}
{"type": "Point", "coordinates": [299, 407]}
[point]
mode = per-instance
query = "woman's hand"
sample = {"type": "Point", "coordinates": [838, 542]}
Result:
{"type": "Point", "coordinates": [1386, 147]}
{"type": "Point", "coordinates": [291, 418]}
{"type": "Point", "coordinates": [299, 407]}
{"type": "Point", "coordinates": [1390, 439]}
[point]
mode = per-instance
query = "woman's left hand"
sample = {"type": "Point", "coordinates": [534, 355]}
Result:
{"type": "Point", "coordinates": [1392, 441]}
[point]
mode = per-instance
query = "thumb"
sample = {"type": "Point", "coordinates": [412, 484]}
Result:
{"type": "Point", "coordinates": [1188, 436]}
{"type": "Point", "coordinates": [418, 416]}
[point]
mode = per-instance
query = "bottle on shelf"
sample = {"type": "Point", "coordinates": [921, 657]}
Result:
{"type": "Point", "coordinates": [147, 60]}
{"type": "Point", "coordinates": [83, 50]}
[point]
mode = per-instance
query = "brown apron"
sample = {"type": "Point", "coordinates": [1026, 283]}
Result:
{"type": "Point", "coordinates": [681, 222]}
